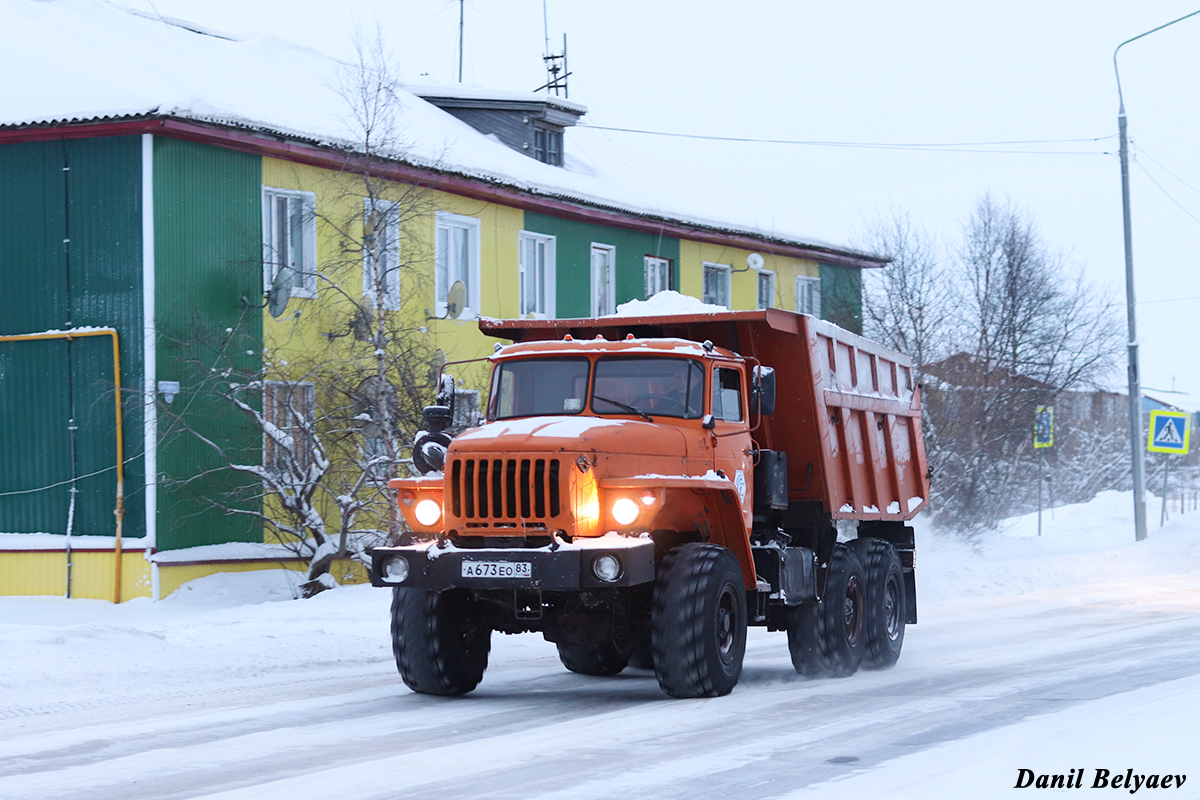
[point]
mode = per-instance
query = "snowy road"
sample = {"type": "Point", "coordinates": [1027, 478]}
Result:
{"type": "Point", "coordinates": [187, 701]}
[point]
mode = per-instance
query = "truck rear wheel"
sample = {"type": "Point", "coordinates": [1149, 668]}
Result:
{"type": "Point", "coordinates": [827, 638]}
{"type": "Point", "coordinates": [698, 621]}
{"type": "Point", "coordinates": [440, 646]}
{"type": "Point", "coordinates": [607, 658]}
{"type": "Point", "coordinates": [885, 612]}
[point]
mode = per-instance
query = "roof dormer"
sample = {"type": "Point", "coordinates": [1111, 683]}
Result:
{"type": "Point", "coordinates": [532, 124]}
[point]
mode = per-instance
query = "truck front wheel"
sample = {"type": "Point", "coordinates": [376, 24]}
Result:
{"type": "Point", "coordinates": [698, 621]}
{"type": "Point", "coordinates": [826, 638]}
{"type": "Point", "coordinates": [884, 611]}
{"type": "Point", "coordinates": [440, 645]}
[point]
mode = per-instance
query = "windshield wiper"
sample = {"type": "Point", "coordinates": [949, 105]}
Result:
{"type": "Point", "coordinates": [620, 405]}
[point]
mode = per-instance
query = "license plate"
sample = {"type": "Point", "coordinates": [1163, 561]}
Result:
{"type": "Point", "coordinates": [497, 569]}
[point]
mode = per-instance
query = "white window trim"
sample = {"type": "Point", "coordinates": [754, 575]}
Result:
{"type": "Point", "coordinates": [550, 287]}
{"type": "Point", "coordinates": [770, 275]}
{"type": "Point", "coordinates": [725, 268]}
{"type": "Point", "coordinates": [309, 265]}
{"type": "Point", "coordinates": [474, 228]}
{"type": "Point", "coordinates": [655, 261]}
{"type": "Point", "coordinates": [808, 280]}
{"type": "Point", "coordinates": [391, 215]}
{"type": "Point", "coordinates": [611, 282]}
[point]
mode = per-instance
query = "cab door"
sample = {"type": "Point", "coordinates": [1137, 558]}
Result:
{"type": "Point", "coordinates": [731, 433]}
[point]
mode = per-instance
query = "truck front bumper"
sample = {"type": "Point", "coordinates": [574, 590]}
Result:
{"type": "Point", "coordinates": [568, 567]}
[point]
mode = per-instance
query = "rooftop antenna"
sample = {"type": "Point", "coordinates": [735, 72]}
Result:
{"type": "Point", "coordinates": [460, 38]}
{"type": "Point", "coordinates": [556, 71]}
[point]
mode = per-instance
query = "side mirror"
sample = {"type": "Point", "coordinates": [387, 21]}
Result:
{"type": "Point", "coordinates": [437, 418]}
{"type": "Point", "coordinates": [762, 391]}
{"type": "Point", "coordinates": [709, 422]}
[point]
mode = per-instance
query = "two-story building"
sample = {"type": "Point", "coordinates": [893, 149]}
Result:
{"type": "Point", "coordinates": [156, 178]}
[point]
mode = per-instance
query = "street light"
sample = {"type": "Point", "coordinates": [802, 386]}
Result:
{"type": "Point", "coordinates": [1135, 392]}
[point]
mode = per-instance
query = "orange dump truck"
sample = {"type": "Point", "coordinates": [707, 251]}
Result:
{"type": "Point", "coordinates": [644, 488]}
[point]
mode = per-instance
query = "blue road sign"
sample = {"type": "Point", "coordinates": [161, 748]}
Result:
{"type": "Point", "coordinates": [1169, 432]}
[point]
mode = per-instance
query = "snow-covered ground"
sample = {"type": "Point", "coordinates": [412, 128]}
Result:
{"type": "Point", "coordinates": [1078, 650]}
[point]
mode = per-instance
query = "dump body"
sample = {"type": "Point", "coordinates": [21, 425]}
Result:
{"type": "Point", "coordinates": [847, 411]}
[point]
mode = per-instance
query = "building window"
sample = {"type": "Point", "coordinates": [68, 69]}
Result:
{"type": "Point", "coordinates": [658, 275]}
{"type": "Point", "coordinates": [604, 265]}
{"type": "Point", "coordinates": [536, 274]}
{"type": "Point", "coordinates": [381, 252]}
{"type": "Point", "coordinates": [457, 262]}
{"type": "Point", "coordinates": [289, 226]}
{"type": "Point", "coordinates": [547, 146]}
{"type": "Point", "coordinates": [716, 284]}
{"type": "Point", "coordinates": [808, 296]}
{"type": "Point", "coordinates": [289, 410]}
{"type": "Point", "coordinates": [766, 289]}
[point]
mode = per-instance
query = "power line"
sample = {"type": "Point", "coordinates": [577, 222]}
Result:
{"type": "Point", "coordinates": [920, 146]}
{"type": "Point", "coordinates": [1142, 151]}
{"type": "Point", "coordinates": [1153, 180]}
{"type": "Point", "coordinates": [69, 480]}
{"type": "Point", "coordinates": [1169, 300]}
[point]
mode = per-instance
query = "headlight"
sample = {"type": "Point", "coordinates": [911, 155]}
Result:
{"type": "Point", "coordinates": [607, 568]}
{"type": "Point", "coordinates": [428, 512]}
{"type": "Point", "coordinates": [396, 569]}
{"type": "Point", "coordinates": [625, 511]}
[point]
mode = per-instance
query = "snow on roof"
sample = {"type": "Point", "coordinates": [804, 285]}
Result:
{"type": "Point", "coordinates": [465, 91]}
{"type": "Point", "coordinates": [94, 61]}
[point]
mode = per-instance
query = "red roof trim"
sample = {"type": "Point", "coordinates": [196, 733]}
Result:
{"type": "Point", "coordinates": [274, 147]}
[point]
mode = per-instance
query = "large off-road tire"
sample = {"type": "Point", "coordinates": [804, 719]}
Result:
{"type": "Point", "coordinates": [885, 602]}
{"type": "Point", "coordinates": [827, 638]}
{"type": "Point", "coordinates": [698, 621]}
{"type": "Point", "coordinates": [608, 658]}
{"type": "Point", "coordinates": [440, 645]}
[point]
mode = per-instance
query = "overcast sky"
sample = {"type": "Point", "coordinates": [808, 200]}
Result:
{"type": "Point", "coordinates": [922, 72]}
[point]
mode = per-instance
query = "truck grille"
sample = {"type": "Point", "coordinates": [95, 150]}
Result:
{"type": "Point", "coordinates": [513, 489]}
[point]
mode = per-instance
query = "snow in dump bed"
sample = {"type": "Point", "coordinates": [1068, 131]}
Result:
{"type": "Point", "coordinates": [668, 303]}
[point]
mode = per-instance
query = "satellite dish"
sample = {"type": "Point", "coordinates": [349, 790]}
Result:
{"type": "Point", "coordinates": [456, 300]}
{"type": "Point", "coordinates": [280, 292]}
{"type": "Point", "coordinates": [754, 261]}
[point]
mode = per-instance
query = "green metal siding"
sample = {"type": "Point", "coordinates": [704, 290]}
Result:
{"type": "Point", "coordinates": [208, 255]}
{"type": "Point", "coordinates": [70, 221]}
{"type": "Point", "coordinates": [841, 296]}
{"type": "Point", "coordinates": [573, 253]}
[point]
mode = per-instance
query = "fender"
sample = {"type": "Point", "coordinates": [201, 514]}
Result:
{"type": "Point", "coordinates": [707, 504]}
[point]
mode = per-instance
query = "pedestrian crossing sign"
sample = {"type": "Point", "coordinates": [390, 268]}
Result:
{"type": "Point", "coordinates": [1043, 428]}
{"type": "Point", "coordinates": [1170, 432]}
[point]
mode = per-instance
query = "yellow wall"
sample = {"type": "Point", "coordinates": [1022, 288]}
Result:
{"type": "Point", "coordinates": [92, 574]}
{"type": "Point", "coordinates": [744, 284]}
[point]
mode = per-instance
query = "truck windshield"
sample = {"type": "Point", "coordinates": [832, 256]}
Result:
{"type": "Point", "coordinates": [668, 387]}
{"type": "Point", "coordinates": [534, 387]}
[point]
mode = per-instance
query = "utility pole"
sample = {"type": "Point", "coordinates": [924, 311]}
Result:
{"type": "Point", "coordinates": [460, 38]}
{"type": "Point", "coordinates": [1135, 394]}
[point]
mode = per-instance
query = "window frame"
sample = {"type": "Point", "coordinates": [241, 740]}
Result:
{"type": "Point", "coordinates": [390, 211]}
{"type": "Point", "coordinates": [770, 276]}
{"type": "Point", "coordinates": [814, 284]}
{"type": "Point", "coordinates": [610, 284]}
{"type": "Point", "coordinates": [303, 455]}
{"type": "Point", "coordinates": [473, 226]}
{"type": "Point", "coordinates": [726, 271]}
{"type": "Point", "coordinates": [308, 239]}
{"type": "Point", "coordinates": [549, 277]}
{"type": "Point", "coordinates": [650, 263]}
